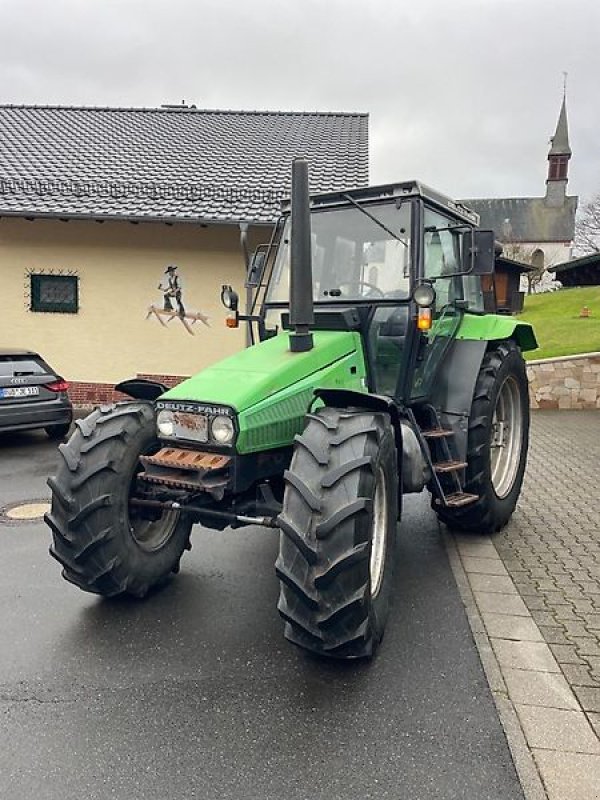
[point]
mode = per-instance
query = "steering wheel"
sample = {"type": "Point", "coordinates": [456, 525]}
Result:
{"type": "Point", "coordinates": [361, 284]}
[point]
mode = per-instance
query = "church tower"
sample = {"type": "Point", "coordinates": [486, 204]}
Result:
{"type": "Point", "coordinates": [558, 161]}
{"type": "Point", "coordinates": [542, 228]}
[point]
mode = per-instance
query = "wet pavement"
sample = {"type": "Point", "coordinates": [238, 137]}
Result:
{"type": "Point", "coordinates": [195, 693]}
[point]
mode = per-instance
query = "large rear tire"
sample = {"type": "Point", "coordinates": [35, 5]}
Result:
{"type": "Point", "coordinates": [497, 443]}
{"type": "Point", "coordinates": [103, 545]}
{"type": "Point", "coordinates": [338, 533]}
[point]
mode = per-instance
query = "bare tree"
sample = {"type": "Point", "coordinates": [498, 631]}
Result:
{"type": "Point", "coordinates": [517, 252]}
{"type": "Point", "coordinates": [587, 228]}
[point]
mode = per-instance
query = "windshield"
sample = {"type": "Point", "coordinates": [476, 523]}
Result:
{"type": "Point", "coordinates": [353, 257]}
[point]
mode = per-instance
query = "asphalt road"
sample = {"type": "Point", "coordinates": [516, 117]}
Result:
{"type": "Point", "coordinates": [194, 693]}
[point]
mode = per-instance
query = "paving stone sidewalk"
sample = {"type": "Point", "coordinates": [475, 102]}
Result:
{"type": "Point", "coordinates": [532, 594]}
{"type": "Point", "coordinates": [551, 548]}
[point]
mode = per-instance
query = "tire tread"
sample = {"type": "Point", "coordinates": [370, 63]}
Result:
{"type": "Point", "coordinates": [323, 568]}
{"type": "Point", "coordinates": [90, 534]}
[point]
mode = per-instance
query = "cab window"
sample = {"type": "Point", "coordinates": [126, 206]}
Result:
{"type": "Point", "coordinates": [442, 258]}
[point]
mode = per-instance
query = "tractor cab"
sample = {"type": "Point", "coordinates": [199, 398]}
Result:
{"type": "Point", "coordinates": [400, 263]}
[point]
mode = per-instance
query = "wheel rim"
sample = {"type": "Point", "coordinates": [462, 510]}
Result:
{"type": "Point", "coordinates": [149, 533]}
{"type": "Point", "coordinates": [378, 539]}
{"type": "Point", "coordinates": [506, 437]}
{"type": "Point", "coordinates": [152, 534]}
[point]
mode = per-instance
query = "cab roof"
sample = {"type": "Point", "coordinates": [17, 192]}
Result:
{"type": "Point", "coordinates": [390, 191]}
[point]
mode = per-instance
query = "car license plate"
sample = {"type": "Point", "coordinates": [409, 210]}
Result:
{"type": "Point", "coordinates": [20, 391]}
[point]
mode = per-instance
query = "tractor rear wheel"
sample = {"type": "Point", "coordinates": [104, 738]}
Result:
{"type": "Point", "coordinates": [105, 545]}
{"type": "Point", "coordinates": [497, 442]}
{"type": "Point", "coordinates": [338, 533]}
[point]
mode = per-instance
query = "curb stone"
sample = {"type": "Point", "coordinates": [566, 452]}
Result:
{"type": "Point", "coordinates": [547, 731]}
{"type": "Point", "coordinates": [555, 749]}
{"type": "Point", "coordinates": [529, 777]}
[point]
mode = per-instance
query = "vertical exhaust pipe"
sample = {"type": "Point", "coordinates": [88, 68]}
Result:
{"type": "Point", "coordinates": [301, 290]}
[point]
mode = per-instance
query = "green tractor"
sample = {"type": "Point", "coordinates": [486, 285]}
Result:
{"type": "Point", "coordinates": [376, 369]}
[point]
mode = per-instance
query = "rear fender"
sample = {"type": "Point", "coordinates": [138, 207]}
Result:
{"type": "Point", "coordinates": [495, 327]}
{"type": "Point", "coordinates": [453, 388]}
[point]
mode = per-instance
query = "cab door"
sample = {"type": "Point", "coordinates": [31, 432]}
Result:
{"type": "Point", "coordinates": [441, 263]}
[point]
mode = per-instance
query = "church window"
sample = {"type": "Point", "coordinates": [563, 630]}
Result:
{"type": "Point", "coordinates": [558, 168]}
{"type": "Point", "coordinates": [537, 259]}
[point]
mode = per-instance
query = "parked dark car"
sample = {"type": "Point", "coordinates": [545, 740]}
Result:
{"type": "Point", "coordinates": [32, 395]}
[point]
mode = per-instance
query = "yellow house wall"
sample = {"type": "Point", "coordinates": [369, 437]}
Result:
{"type": "Point", "coordinates": [120, 266]}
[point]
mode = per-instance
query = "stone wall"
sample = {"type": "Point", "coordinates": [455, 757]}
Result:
{"type": "Point", "coordinates": [565, 382]}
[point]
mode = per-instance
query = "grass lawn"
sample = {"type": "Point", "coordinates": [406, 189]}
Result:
{"type": "Point", "coordinates": [559, 329]}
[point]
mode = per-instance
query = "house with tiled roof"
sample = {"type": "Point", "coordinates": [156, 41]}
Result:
{"type": "Point", "coordinates": [96, 203]}
{"type": "Point", "coordinates": [538, 230]}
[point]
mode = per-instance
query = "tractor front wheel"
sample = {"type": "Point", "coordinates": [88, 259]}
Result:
{"type": "Point", "coordinates": [497, 443]}
{"type": "Point", "coordinates": [57, 432]}
{"type": "Point", "coordinates": [338, 533]}
{"type": "Point", "coordinates": [104, 544]}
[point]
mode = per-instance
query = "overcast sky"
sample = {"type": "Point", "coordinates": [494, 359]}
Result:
{"type": "Point", "coordinates": [462, 94]}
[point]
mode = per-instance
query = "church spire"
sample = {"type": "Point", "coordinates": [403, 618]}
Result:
{"type": "Point", "coordinates": [558, 158]}
{"type": "Point", "coordinates": [560, 140]}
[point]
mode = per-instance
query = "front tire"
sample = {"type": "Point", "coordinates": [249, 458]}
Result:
{"type": "Point", "coordinates": [338, 533]}
{"type": "Point", "coordinates": [497, 443]}
{"type": "Point", "coordinates": [103, 545]}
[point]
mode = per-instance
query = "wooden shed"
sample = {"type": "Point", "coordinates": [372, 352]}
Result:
{"type": "Point", "coordinates": [501, 291]}
{"type": "Point", "coordinates": [584, 271]}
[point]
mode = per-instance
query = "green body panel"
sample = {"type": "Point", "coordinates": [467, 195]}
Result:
{"type": "Point", "coordinates": [492, 327]}
{"type": "Point", "coordinates": [444, 326]}
{"type": "Point", "coordinates": [271, 388]}
{"type": "Point", "coordinates": [276, 420]}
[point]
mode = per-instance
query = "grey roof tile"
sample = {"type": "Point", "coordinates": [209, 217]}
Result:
{"type": "Point", "coordinates": [526, 219]}
{"type": "Point", "coordinates": [180, 163]}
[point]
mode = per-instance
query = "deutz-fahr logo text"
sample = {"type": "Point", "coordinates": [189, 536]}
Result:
{"type": "Point", "coordinates": [192, 408]}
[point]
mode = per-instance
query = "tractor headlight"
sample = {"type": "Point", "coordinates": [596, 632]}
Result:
{"type": "Point", "coordinates": [165, 423]}
{"type": "Point", "coordinates": [424, 295]}
{"type": "Point", "coordinates": [222, 429]}
{"type": "Point", "coordinates": [187, 421]}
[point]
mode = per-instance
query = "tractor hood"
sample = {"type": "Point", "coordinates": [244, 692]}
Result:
{"type": "Point", "coordinates": [270, 387]}
{"type": "Point", "coordinates": [258, 372]}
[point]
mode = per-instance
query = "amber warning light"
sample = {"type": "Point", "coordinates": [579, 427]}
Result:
{"type": "Point", "coordinates": [232, 322]}
{"type": "Point", "coordinates": [424, 319]}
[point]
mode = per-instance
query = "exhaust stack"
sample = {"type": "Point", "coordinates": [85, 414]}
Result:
{"type": "Point", "coordinates": [301, 291]}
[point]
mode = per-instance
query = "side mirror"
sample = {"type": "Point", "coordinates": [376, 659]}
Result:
{"type": "Point", "coordinates": [256, 269]}
{"type": "Point", "coordinates": [229, 298]}
{"type": "Point", "coordinates": [478, 252]}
